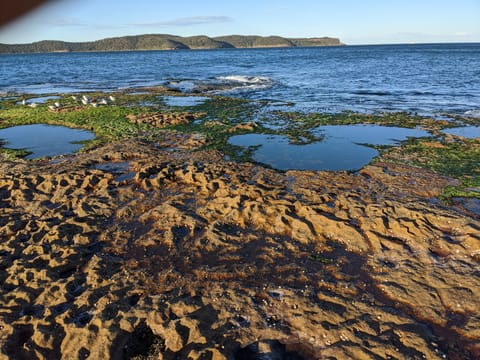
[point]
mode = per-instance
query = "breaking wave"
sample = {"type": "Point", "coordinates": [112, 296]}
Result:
{"type": "Point", "coordinates": [247, 80]}
{"type": "Point", "coordinates": [473, 113]}
{"type": "Point", "coordinates": [222, 84]}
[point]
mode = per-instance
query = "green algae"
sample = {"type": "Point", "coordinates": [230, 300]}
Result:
{"type": "Point", "coordinates": [11, 154]}
{"type": "Point", "coordinates": [399, 119]}
{"type": "Point", "coordinates": [228, 111]}
{"type": "Point", "coordinates": [108, 123]}
{"type": "Point", "coordinates": [321, 259]}
{"type": "Point", "coordinates": [459, 158]}
{"type": "Point", "coordinates": [469, 188]}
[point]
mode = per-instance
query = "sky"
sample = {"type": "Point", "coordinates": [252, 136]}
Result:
{"type": "Point", "coordinates": [353, 21]}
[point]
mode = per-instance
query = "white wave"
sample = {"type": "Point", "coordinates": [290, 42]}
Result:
{"type": "Point", "coordinates": [244, 79]}
{"type": "Point", "coordinates": [473, 113]}
{"type": "Point", "coordinates": [233, 83]}
{"type": "Point", "coordinates": [186, 86]}
{"type": "Point", "coordinates": [221, 84]}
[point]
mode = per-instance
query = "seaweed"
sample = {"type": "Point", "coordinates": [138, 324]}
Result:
{"type": "Point", "coordinates": [221, 117]}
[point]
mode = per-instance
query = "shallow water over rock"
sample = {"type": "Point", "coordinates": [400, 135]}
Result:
{"type": "Point", "coordinates": [341, 148]}
{"type": "Point", "coordinates": [43, 140]}
{"type": "Point", "coordinates": [184, 100]}
{"type": "Point", "coordinates": [40, 100]}
{"type": "Point", "coordinates": [120, 169]}
{"type": "Point", "coordinates": [471, 204]}
{"type": "Point", "coordinates": [470, 132]}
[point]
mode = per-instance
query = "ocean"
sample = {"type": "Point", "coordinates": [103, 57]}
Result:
{"type": "Point", "coordinates": [424, 79]}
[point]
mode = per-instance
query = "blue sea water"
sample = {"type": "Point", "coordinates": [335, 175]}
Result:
{"type": "Point", "coordinates": [428, 79]}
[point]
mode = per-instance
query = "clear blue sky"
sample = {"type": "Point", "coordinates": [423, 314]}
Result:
{"type": "Point", "coordinates": [353, 21]}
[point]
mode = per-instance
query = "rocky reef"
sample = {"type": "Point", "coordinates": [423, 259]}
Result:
{"type": "Point", "coordinates": [141, 249]}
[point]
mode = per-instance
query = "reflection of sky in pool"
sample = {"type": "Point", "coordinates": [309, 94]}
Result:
{"type": "Point", "coordinates": [40, 100]}
{"type": "Point", "coordinates": [470, 132]}
{"type": "Point", "coordinates": [340, 149]}
{"type": "Point", "coordinates": [44, 140]}
{"type": "Point", "coordinates": [184, 100]}
{"type": "Point", "coordinates": [138, 93]}
{"type": "Point", "coordinates": [471, 204]}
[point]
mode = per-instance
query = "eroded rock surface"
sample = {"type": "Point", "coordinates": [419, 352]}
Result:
{"type": "Point", "coordinates": [184, 255]}
{"type": "Point", "coordinates": [162, 120]}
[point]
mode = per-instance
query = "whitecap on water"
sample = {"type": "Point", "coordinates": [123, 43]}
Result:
{"type": "Point", "coordinates": [185, 86]}
{"type": "Point", "coordinates": [473, 113]}
{"type": "Point", "coordinates": [222, 84]}
{"type": "Point", "coordinates": [240, 82]}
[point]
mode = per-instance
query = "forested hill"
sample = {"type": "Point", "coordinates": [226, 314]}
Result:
{"type": "Point", "coordinates": [168, 42]}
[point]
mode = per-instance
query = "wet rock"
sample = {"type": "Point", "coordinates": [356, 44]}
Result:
{"type": "Point", "coordinates": [162, 120]}
{"type": "Point", "coordinates": [215, 255]}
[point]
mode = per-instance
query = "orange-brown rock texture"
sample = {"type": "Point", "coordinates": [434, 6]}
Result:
{"type": "Point", "coordinates": [142, 250]}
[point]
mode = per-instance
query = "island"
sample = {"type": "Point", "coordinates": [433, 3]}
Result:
{"type": "Point", "coordinates": [168, 42]}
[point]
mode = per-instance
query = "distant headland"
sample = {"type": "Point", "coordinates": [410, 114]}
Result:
{"type": "Point", "coordinates": [168, 42]}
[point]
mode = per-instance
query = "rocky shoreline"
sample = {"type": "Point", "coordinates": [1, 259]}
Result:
{"type": "Point", "coordinates": [142, 249]}
{"type": "Point", "coordinates": [152, 243]}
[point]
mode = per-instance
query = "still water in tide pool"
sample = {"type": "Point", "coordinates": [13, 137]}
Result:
{"type": "Point", "coordinates": [342, 148]}
{"type": "Point", "coordinates": [469, 132]}
{"type": "Point", "coordinates": [184, 100]}
{"type": "Point", "coordinates": [44, 140]}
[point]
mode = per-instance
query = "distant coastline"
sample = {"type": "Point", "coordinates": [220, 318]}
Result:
{"type": "Point", "coordinates": [168, 42]}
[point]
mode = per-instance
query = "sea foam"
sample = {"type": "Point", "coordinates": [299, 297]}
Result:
{"type": "Point", "coordinates": [473, 113]}
{"type": "Point", "coordinates": [239, 82]}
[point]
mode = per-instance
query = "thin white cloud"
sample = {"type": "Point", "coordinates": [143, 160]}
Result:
{"type": "Point", "coordinates": [189, 21]}
{"type": "Point", "coordinates": [67, 22]}
{"type": "Point", "coordinates": [179, 22]}
{"type": "Point", "coordinates": [74, 23]}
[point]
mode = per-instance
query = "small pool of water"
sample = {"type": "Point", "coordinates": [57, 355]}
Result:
{"type": "Point", "coordinates": [146, 104]}
{"type": "Point", "coordinates": [44, 140]}
{"type": "Point", "coordinates": [40, 100]}
{"type": "Point", "coordinates": [184, 100]}
{"type": "Point", "coordinates": [121, 169]}
{"type": "Point", "coordinates": [471, 204]}
{"type": "Point", "coordinates": [114, 167]}
{"type": "Point", "coordinates": [470, 132]}
{"type": "Point", "coordinates": [138, 93]}
{"type": "Point", "coordinates": [341, 148]}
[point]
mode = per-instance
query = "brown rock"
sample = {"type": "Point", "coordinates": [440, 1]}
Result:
{"type": "Point", "coordinates": [196, 257]}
